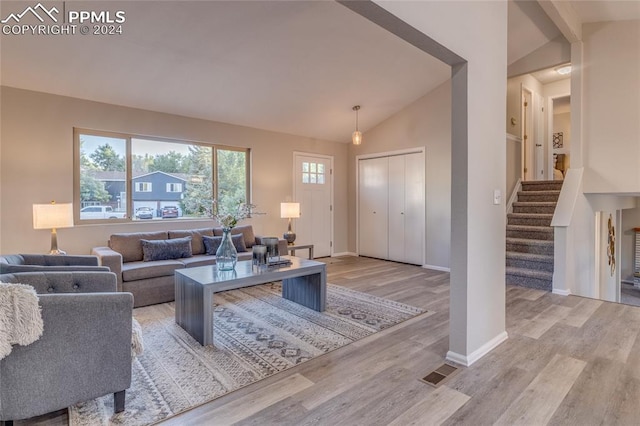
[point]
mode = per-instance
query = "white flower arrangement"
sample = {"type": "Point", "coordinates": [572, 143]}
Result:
{"type": "Point", "coordinates": [228, 219]}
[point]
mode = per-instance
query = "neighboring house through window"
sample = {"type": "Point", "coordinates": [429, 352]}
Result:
{"type": "Point", "coordinates": [174, 187]}
{"type": "Point", "coordinates": [128, 172]}
{"type": "Point", "coordinates": [143, 186]}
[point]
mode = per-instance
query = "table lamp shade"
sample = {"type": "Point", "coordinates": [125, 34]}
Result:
{"type": "Point", "coordinates": [290, 210]}
{"type": "Point", "coordinates": [51, 216]}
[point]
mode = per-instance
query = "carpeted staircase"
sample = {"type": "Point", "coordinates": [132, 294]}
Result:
{"type": "Point", "coordinates": [530, 235]}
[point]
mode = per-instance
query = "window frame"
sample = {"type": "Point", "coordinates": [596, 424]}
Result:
{"type": "Point", "coordinates": [130, 214]}
{"type": "Point", "coordinates": [170, 185]}
{"type": "Point", "coordinates": [142, 186]}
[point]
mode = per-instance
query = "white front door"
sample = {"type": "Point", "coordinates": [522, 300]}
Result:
{"type": "Point", "coordinates": [312, 188]}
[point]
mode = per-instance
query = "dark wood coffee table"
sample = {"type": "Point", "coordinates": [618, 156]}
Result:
{"type": "Point", "coordinates": [303, 282]}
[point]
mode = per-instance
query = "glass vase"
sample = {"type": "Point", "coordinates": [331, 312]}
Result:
{"type": "Point", "coordinates": [226, 255]}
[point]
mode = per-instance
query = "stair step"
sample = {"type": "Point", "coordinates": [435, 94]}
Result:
{"type": "Point", "coordinates": [535, 196]}
{"type": "Point", "coordinates": [530, 232]}
{"type": "Point", "coordinates": [540, 185]}
{"type": "Point", "coordinates": [545, 207]}
{"type": "Point", "coordinates": [524, 245]}
{"type": "Point", "coordinates": [542, 280]}
{"type": "Point", "coordinates": [537, 262]}
{"type": "Point", "coordinates": [529, 219]}
{"type": "Point", "coordinates": [523, 272]}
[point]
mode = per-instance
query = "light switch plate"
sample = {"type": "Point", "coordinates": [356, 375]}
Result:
{"type": "Point", "coordinates": [497, 197]}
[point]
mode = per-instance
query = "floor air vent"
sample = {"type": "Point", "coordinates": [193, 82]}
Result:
{"type": "Point", "coordinates": [439, 374]}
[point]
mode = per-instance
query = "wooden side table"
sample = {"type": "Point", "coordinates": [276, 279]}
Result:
{"type": "Point", "coordinates": [292, 249]}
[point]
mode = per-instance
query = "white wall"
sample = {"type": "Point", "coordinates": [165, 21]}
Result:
{"type": "Point", "coordinates": [514, 163]}
{"type": "Point", "coordinates": [425, 123]}
{"type": "Point", "coordinates": [630, 220]}
{"type": "Point", "coordinates": [36, 166]}
{"type": "Point", "coordinates": [562, 123]}
{"type": "Point", "coordinates": [557, 89]}
{"type": "Point", "coordinates": [476, 31]}
{"type": "Point", "coordinates": [611, 112]}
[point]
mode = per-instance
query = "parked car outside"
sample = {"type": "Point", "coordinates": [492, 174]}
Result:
{"type": "Point", "coordinates": [168, 212]}
{"type": "Point", "coordinates": [144, 213]}
{"type": "Point", "coordinates": [101, 212]}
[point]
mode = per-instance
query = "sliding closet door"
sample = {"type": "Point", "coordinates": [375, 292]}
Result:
{"type": "Point", "coordinates": [372, 208]}
{"type": "Point", "coordinates": [396, 208]}
{"type": "Point", "coordinates": [414, 208]}
{"type": "Point", "coordinates": [391, 207]}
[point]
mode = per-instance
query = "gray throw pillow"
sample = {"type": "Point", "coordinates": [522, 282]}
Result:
{"type": "Point", "coordinates": [211, 244]}
{"type": "Point", "coordinates": [238, 242]}
{"type": "Point", "coordinates": [175, 248]}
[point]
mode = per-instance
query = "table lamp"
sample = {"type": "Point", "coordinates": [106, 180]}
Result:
{"type": "Point", "coordinates": [53, 216]}
{"type": "Point", "coordinates": [290, 211]}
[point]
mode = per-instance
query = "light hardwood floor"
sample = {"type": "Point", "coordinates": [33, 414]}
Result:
{"type": "Point", "coordinates": [568, 360]}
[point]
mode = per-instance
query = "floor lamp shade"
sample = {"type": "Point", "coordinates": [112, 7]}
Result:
{"type": "Point", "coordinates": [289, 211]}
{"type": "Point", "coordinates": [53, 216]}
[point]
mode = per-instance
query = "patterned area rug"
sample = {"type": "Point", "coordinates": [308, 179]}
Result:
{"type": "Point", "coordinates": [256, 333]}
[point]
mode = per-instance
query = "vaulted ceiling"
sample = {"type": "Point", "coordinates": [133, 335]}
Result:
{"type": "Point", "coordinates": [295, 67]}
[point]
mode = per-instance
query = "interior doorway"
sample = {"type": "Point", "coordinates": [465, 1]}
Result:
{"type": "Point", "coordinates": [559, 136]}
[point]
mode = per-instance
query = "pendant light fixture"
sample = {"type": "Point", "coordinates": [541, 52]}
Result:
{"type": "Point", "coordinates": [356, 138]}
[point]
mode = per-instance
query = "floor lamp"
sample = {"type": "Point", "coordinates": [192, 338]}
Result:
{"type": "Point", "coordinates": [53, 216]}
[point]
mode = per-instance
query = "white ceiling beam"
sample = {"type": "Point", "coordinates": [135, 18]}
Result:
{"type": "Point", "coordinates": [562, 13]}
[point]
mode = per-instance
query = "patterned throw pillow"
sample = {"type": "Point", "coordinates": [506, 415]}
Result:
{"type": "Point", "coordinates": [175, 248]}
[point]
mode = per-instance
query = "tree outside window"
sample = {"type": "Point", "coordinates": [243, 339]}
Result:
{"type": "Point", "coordinates": [166, 173]}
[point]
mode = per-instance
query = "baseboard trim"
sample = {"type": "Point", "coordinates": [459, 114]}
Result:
{"type": "Point", "coordinates": [345, 253]}
{"type": "Point", "coordinates": [561, 292]}
{"type": "Point", "coordinates": [437, 268]}
{"type": "Point", "coordinates": [468, 360]}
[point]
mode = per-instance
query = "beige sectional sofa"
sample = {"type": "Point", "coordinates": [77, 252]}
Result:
{"type": "Point", "coordinates": [152, 281]}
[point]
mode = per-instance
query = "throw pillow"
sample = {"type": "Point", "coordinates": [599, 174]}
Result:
{"type": "Point", "coordinates": [197, 246]}
{"type": "Point", "coordinates": [175, 248]}
{"type": "Point", "coordinates": [238, 242]}
{"type": "Point", "coordinates": [211, 244]}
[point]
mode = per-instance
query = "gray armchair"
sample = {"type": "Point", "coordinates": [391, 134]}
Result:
{"type": "Point", "coordinates": [84, 352]}
{"type": "Point", "coordinates": [13, 263]}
